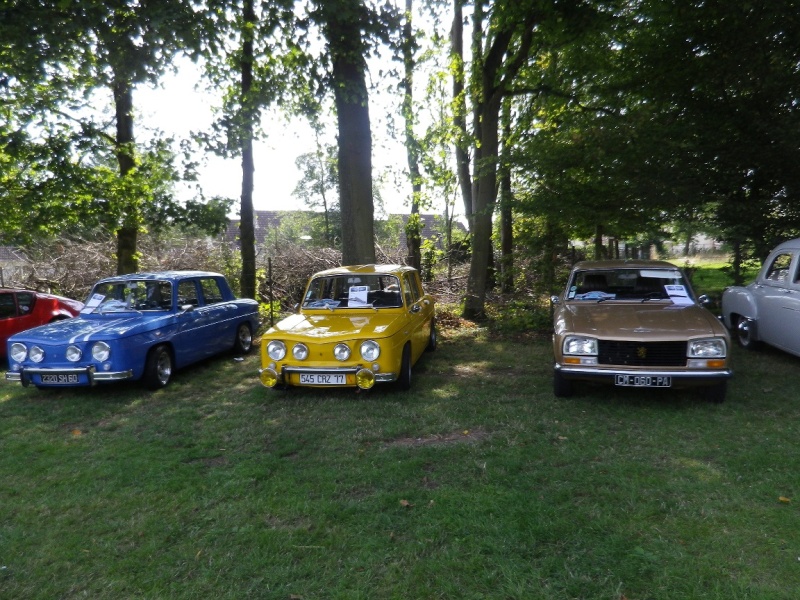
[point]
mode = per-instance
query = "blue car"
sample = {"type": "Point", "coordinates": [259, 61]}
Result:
{"type": "Point", "coordinates": [136, 327]}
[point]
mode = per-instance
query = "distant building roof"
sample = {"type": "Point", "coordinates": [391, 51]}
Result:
{"type": "Point", "coordinates": [10, 255]}
{"type": "Point", "coordinates": [268, 220]}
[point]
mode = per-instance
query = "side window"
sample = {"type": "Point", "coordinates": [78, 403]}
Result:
{"type": "Point", "coordinates": [7, 306]}
{"type": "Point", "coordinates": [187, 293]}
{"type": "Point", "coordinates": [211, 292]}
{"type": "Point", "coordinates": [407, 295]}
{"type": "Point", "coordinates": [25, 302]}
{"type": "Point", "coordinates": [778, 270]}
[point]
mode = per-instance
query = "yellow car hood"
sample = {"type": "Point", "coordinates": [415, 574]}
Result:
{"type": "Point", "coordinates": [339, 326]}
{"type": "Point", "coordinates": [636, 320]}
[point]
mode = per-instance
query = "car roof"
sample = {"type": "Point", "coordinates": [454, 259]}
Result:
{"type": "Point", "coordinates": [795, 243]}
{"type": "Point", "coordinates": [623, 264]}
{"type": "Point", "coordinates": [161, 275]}
{"type": "Point", "coordinates": [366, 270]}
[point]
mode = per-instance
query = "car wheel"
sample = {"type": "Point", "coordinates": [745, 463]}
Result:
{"type": "Point", "coordinates": [158, 369]}
{"type": "Point", "coordinates": [744, 333]}
{"type": "Point", "coordinates": [244, 339]}
{"type": "Point", "coordinates": [404, 379]}
{"type": "Point", "coordinates": [716, 393]}
{"type": "Point", "coordinates": [433, 340]}
{"type": "Point", "coordinates": [562, 387]}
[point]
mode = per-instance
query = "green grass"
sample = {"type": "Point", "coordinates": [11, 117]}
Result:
{"type": "Point", "coordinates": [477, 483]}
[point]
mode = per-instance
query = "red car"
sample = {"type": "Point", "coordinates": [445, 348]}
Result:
{"type": "Point", "coordinates": [23, 309]}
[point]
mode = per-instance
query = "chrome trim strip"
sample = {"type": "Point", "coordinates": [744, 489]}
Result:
{"type": "Point", "coordinates": [595, 372]}
{"type": "Point", "coordinates": [23, 375]}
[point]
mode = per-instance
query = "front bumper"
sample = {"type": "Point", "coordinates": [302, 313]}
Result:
{"type": "Point", "coordinates": [680, 377]}
{"type": "Point", "coordinates": [357, 376]}
{"type": "Point", "coordinates": [78, 376]}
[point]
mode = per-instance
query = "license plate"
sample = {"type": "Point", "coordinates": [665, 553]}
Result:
{"type": "Point", "coordinates": [643, 381]}
{"type": "Point", "coordinates": [323, 379]}
{"type": "Point", "coordinates": [60, 379]}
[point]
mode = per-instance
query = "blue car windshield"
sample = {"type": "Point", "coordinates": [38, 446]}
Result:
{"type": "Point", "coordinates": [353, 291]}
{"type": "Point", "coordinates": [600, 285]}
{"type": "Point", "coordinates": [131, 295]}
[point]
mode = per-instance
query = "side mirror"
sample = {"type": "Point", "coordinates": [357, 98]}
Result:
{"type": "Point", "coordinates": [187, 308]}
{"type": "Point", "coordinates": [416, 308]}
{"type": "Point", "coordinates": [554, 299]}
{"type": "Point", "coordinates": [705, 300]}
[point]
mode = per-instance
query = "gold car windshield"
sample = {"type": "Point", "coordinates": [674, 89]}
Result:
{"type": "Point", "coordinates": [630, 284]}
{"type": "Point", "coordinates": [353, 291]}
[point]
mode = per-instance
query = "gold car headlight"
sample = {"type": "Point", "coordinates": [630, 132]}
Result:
{"type": "Point", "coordinates": [276, 350]}
{"type": "Point", "coordinates": [300, 351]}
{"type": "Point", "coordinates": [341, 352]}
{"type": "Point", "coordinates": [580, 345]}
{"type": "Point", "coordinates": [370, 350]}
{"type": "Point", "coordinates": [710, 348]}
{"type": "Point", "coordinates": [18, 352]}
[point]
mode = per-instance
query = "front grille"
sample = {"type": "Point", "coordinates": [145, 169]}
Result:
{"type": "Point", "coordinates": [642, 354]}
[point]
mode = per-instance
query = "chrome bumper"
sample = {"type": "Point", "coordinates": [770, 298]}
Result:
{"type": "Point", "coordinates": [286, 371]}
{"type": "Point", "coordinates": [583, 372]}
{"type": "Point", "coordinates": [24, 375]}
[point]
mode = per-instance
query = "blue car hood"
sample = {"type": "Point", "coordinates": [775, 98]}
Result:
{"type": "Point", "coordinates": [84, 329]}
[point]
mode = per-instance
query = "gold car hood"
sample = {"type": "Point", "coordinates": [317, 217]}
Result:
{"type": "Point", "coordinates": [637, 320]}
{"type": "Point", "coordinates": [339, 326]}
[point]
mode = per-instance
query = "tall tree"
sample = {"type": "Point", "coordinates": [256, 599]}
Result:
{"type": "Point", "coordinates": [499, 51]}
{"type": "Point", "coordinates": [266, 59]}
{"type": "Point", "coordinates": [92, 45]}
{"type": "Point", "coordinates": [413, 226]}
{"type": "Point", "coordinates": [345, 24]}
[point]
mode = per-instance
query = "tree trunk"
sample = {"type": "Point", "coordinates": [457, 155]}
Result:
{"type": "Point", "coordinates": [413, 233]}
{"type": "Point", "coordinates": [506, 202]}
{"type": "Point", "coordinates": [460, 109]}
{"type": "Point", "coordinates": [343, 32]}
{"type": "Point", "coordinates": [247, 239]}
{"type": "Point", "coordinates": [128, 232]}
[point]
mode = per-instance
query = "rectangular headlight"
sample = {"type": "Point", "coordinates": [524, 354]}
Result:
{"type": "Point", "coordinates": [712, 348]}
{"type": "Point", "coordinates": [576, 344]}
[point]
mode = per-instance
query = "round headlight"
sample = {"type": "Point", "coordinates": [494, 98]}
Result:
{"type": "Point", "coordinates": [276, 350]}
{"type": "Point", "coordinates": [36, 354]}
{"type": "Point", "coordinates": [341, 352]}
{"type": "Point", "coordinates": [370, 350]}
{"type": "Point", "coordinates": [18, 352]}
{"type": "Point", "coordinates": [73, 353]}
{"type": "Point", "coordinates": [101, 351]}
{"type": "Point", "coordinates": [300, 351]}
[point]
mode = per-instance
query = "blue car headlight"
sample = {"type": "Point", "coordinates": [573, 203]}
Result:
{"type": "Point", "coordinates": [18, 352]}
{"type": "Point", "coordinates": [36, 354]}
{"type": "Point", "coordinates": [73, 353]}
{"type": "Point", "coordinates": [101, 351]}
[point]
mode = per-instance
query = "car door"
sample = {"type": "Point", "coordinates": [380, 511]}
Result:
{"type": "Point", "coordinates": [191, 341]}
{"type": "Point", "coordinates": [220, 315]}
{"type": "Point", "coordinates": [774, 295]}
{"type": "Point", "coordinates": [419, 320]}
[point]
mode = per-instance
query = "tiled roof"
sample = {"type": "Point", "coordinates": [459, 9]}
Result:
{"type": "Point", "coordinates": [12, 255]}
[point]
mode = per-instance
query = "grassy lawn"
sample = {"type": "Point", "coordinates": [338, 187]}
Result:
{"type": "Point", "coordinates": [477, 483]}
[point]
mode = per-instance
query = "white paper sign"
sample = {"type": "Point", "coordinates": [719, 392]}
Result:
{"type": "Point", "coordinates": [678, 295]}
{"type": "Point", "coordinates": [358, 295]}
{"type": "Point", "coordinates": [93, 303]}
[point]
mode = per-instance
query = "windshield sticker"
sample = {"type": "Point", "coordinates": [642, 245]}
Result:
{"type": "Point", "coordinates": [658, 273]}
{"type": "Point", "coordinates": [678, 294]}
{"type": "Point", "coordinates": [357, 296]}
{"type": "Point", "coordinates": [572, 291]}
{"type": "Point", "coordinates": [595, 296]}
{"type": "Point", "coordinates": [93, 303]}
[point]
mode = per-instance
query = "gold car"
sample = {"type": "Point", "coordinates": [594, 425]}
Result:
{"type": "Point", "coordinates": [636, 323]}
{"type": "Point", "coordinates": [355, 326]}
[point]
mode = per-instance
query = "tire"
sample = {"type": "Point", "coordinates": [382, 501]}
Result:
{"type": "Point", "coordinates": [562, 387]}
{"type": "Point", "coordinates": [158, 368]}
{"type": "Point", "coordinates": [744, 333]}
{"type": "Point", "coordinates": [433, 340]}
{"type": "Point", "coordinates": [404, 379]}
{"type": "Point", "coordinates": [716, 393]}
{"type": "Point", "coordinates": [244, 339]}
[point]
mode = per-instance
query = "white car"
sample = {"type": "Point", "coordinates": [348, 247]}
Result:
{"type": "Point", "coordinates": [768, 310]}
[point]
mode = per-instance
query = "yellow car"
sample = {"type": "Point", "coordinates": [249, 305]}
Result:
{"type": "Point", "coordinates": [355, 326]}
